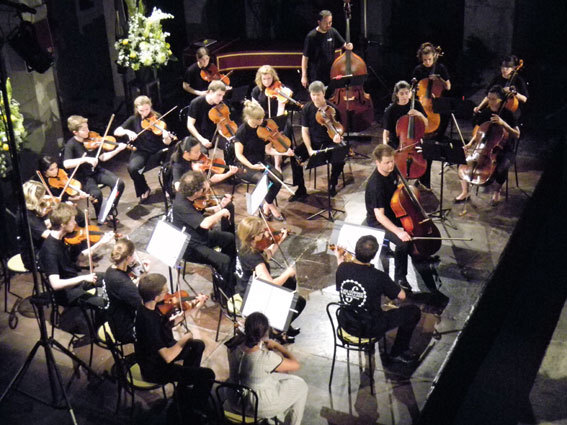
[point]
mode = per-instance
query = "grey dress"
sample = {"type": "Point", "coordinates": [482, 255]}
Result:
{"type": "Point", "coordinates": [279, 394]}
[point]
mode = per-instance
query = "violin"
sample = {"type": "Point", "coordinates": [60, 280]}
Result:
{"type": "Point", "coordinates": [326, 117]}
{"type": "Point", "coordinates": [282, 93]}
{"type": "Point", "coordinates": [270, 132]}
{"type": "Point", "coordinates": [211, 73]}
{"type": "Point", "coordinates": [513, 103]}
{"type": "Point", "coordinates": [270, 237]}
{"type": "Point", "coordinates": [156, 126]}
{"type": "Point", "coordinates": [204, 163]}
{"type": "Point", "coordinates": [72, 187]}
{"type": "Point", "coordinates": [108, 143]}
{"type": "Point", "coordinates": [174, 304]}
{"type": "Point", "coordinates": [427, 90]}
{"type": "Point", "coordinates": [410, 131]}
{"type": "Point", "coordinates": [348, 256]}
{"type": "Point", "coordinates": [79, 235]}
{"type": "Point", "coordinates": [220, 115]}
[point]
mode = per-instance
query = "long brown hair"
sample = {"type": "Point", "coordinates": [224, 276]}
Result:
{"type": "Point", "coordinates": [247, 230]}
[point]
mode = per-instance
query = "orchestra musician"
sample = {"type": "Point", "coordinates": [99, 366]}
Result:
{"type": "Point", "coordinates": [377, 196]}
{"type": "Point", "coordinates": [319, 50]}
{"type": "Point", "coordinates": [253, 261]}
{"type": "Point", "coordinates": [198, 122]}
{"type": "Point", "coordinates": [49, 168]}
{"type": "Point", "coordinates": [505, 156]}
{"type": "Point", "coordinates": [37, 208]}
{"type": "Point", "coordinates": [90, 174]}
{"type": "Point", "coordinates": [251, 152]}
{"type": "Point", "coordinates": [149, 144]}
{"type": "Point", "coordinates": [361, 285]}
{"type": "Point", "coordinates": [193, 83]}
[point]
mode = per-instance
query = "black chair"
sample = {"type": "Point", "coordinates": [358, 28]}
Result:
{"type": "Point", "coordinates": [349, 342]}
{"type": "Point", "coordinates": [237, 403]}
{"type": "Point", "coordinates": [228, 306]}
{"type": "Point", "coordinates": [165, 179]}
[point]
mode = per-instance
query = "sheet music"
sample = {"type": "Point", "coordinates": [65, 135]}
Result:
{"type": "Point", "coordinates": [347, 234]}
{"type": "Point", "coordinates": [167, 243]}
{"type": "Point", "coordinates": [254, 201]}
{"type": "Point", "coordinates": [271, 300]}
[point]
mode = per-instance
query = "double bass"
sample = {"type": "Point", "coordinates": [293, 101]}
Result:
{"type": "Point", "coordinates": [354, 104]}
{"type": "Point", "coordinates": [427, 90]}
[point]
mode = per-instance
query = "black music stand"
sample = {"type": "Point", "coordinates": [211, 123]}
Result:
{"type": "Point", "coordinates": [450, 152]}
{"type": "Point", "coordinates": [328, 156]}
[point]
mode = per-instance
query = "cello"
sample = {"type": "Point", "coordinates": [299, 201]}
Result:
{"type": "Point", "coordinates": [427, 90]}
{"type": "Point", "coordinates": [410, 131]}
{"type": "Point", "coordinates": [512, 103]}
{"type": "Point", "coordinates": [354, 104]}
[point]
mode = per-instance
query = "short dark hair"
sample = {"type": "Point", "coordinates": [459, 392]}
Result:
{"type": "Point", "coordinates": [256, 327]}
{"type": "Point", "coordinates": [366, 248]}
{"type": "Point", "coordinates": [150, 286]}
{"type": "Point", "coordinates": [382, 150]}
{"type": "Point", "coordinates": [190, 183]}
{"type": "Point", "coordinates": [510, 61]}
{"type": "Point", "coordinates": [498, 90]}
{"type": "Point", "coordinates": [323, 14]}
{"type": "Point", "coordinates": [45, 162]}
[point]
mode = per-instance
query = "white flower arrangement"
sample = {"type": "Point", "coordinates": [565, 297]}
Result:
{"type": "Point", "coordinates": [19, 130]}
{"type": "Point", "coordinates": [146, 44]}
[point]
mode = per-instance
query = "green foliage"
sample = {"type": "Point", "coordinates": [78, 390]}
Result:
{"type": "Point", "coordinates": [19, 130]}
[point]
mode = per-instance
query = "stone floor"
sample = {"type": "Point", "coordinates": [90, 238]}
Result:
{"type": "Point", "coordinates": [446, 291]}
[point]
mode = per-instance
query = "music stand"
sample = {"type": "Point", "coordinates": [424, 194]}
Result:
{"type": "Point", "coordinates": [451, 153]}
{"type": "Point", "coordinates": [107, 206]}
{"type": "Point", "coordinates": [333, 155]}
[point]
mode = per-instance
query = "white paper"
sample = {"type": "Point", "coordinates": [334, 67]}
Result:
{"type": "Point", "coordinates": [167, 243]}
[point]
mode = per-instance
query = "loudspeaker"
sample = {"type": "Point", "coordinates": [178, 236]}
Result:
{"type": "Point", "coordinates": [25, 43]}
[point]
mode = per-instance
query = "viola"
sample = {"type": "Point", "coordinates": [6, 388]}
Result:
{"type": "Point", "coordinates": [283, 94]}
{"type": "Point", "coordinates": [513, 103]}
{"type": "Point", "coordinates": [73, 188]}
{"type": "Point", "coordinates": [79, 235]}
{"type": "Point", "coordinates": [426, 239]}
{"type": "Point", "coordinates": [427, 90]}
{"type": "Point", "coordinates": [204, 163]}
{"type": "Point", "coordinates": [270, 132]}
{"type": "Point", "coordinates": [173, 304]}
{"type": "Point", "coordinates": [206, 201]}
{"type": "Point", "coordinates": [211, 73]}
{"type": "Point", "coordinates": [220, 115]}
{"type": "Point", "coordinates": [95, 139]}
{"type": "Point", "coordinates": [348, 256]}
{"type": "Point", "coordinates": [270, 237]}
{"type": "Point", "coordinates": [326, 117]}
{"type": "Point", "coordinates": [410, 131]}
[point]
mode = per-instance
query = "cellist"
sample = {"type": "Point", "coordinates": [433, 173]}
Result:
{"type": "Point", "coordinates": [495, 96]}
{"type": "Point", "coordinates": [377, 196]}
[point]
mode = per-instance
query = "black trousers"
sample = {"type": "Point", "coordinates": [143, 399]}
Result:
{"type": "Point", "coordinates": [405, 319]}
{"type": "Point", "coordinates": [107, 178]}
{"type": "Point", "coordinates": [503, 161]}
{"type": "Point", "coordinates": [336, 167]}
{"type": "Point", "coordinates": [254, 176]}
{"type": "Point", "coordinates": [223, 261]}
{"type": "Point", "coordinates": [291, 283]}
{"type": "Point", "coordinates": [138, 164]}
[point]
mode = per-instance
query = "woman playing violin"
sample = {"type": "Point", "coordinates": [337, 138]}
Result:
{"type": "Point", "coordinates": [192, 81]}
{"type": "Point", "coordinates": [37, 208]}
{"type": "Point", "coordinates": [251, 152]}
{"type": "Point", "coordinates": [251, 261]}
{"type": "Point", "coordinates": [50, 171]}
{"type": "Point", "coordinates": [496, 96]}
{"type": "Point", "coordinates": [149, 145]}
{"type": "Point", "coordinates": [90, 174]}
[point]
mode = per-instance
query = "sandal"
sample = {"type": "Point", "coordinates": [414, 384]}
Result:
{"type": "Point", "coordinates": [144, 196]}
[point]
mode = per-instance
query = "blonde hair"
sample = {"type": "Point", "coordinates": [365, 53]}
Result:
{"type": "Point", "coordinates": [62, 214]}
{"type": "Point", "coordinates": [252, 110]}
{"type": "Point", "coordinates": [74, 122]}
{"type": "Point", "coordinates": [33, 194]}
{"type": "Point", "coordinates": [122, 249]}
{"type": "Point", "coordinates": [265, 69]}
{"type": "Point", "coordinates": [247, 230]}
{"type": "Point", "coordinates": [141, 100]}
{"type": "Point", "coordinates": [216, 85]}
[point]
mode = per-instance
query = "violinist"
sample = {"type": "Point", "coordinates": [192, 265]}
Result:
{"type": "Point", "coordinates": [204, 238]}
{"type": "Point", "coordinates": [504, 80]}
{"type": "Point", "coordinates": [319, 50]}
{"type": "Point", "coordinates": [251, 152]}
{"type": "Point", "coordinates": [504, 157]}
{"type": "Point", "coordinates": [198, 122]}
{"type": "Point", "coordinates": [377, 196]}
{"type": "Point", "coordinates": [193, 83]}
{"type": "Point", "coordinates": [49, 169]}
{"type": "Point", "coordinates": [90, 174]}
{"type": "Point", "coordinates": [315, 135]}
{"type": "Point", "coordinates": [361, 286]}
{"type": "Point", "coordinates": [149, 144]}
{"type": "Point", "coordinates": [253, 261]}
{"type": "Point", "coordinates": [37, 207]}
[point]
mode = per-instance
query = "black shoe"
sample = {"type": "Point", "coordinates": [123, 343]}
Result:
{"type": "Point", "coordinates": [332, 190]}
{"type": "Point", "coordinates": [293, 331]}
{"type": "Point", "coordinates": [460, 201]}
{"type": "Point", "coordinates": [404, 284]}
{"type": "Point", "coordinates": [282, 338]}
{"type": "Point", "coordinates": [299, 195]}
{"type": "Point", "coordinates": [407, 357]}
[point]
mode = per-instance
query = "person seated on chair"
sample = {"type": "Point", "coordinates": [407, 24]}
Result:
{"type": "Point", "coordinates": [505, 154]}
{"type": "Point", "coordinates": [315, 135]}
{"type": "Point", "coordinates": [69, 287]}
{"type": "Point", "coordinates": [198, 122]}
{"type": "Point", "coordinates": [262, 364]}
{"type": "Point", "coordinates": [123, 296]}
{"type": "Point", "coordinates": [90, 174]}
{"type": "Point", "coordinates": [193, 83]}
{"type": "Point", "coordinates": [49, 169]}
{"type": "Point", "coordinates": [377, 196]}
{"type": "Point", "coordinates": [157, 350]}
{"type": "Point", "coordinates": [251, 153]}
{"type": "Point", "coordinates": [37, 207]}
{"type": "Point", "coordinates": [149, 144]}
{"type": "Point", "coordinates": [361, 286]}
{"type": "Point", "coordinates": [253, 260]}
{"type": "Point", "coordinates": [204, 239]}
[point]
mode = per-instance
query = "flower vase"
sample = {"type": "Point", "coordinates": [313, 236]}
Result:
{"type": "Point", "coordinates": [144, 76]}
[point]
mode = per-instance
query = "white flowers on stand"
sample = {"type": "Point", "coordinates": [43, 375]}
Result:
{"type": "Point", "coordinates": [19, 130]}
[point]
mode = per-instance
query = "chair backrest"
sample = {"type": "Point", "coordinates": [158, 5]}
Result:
{"type": "Point", "coordinates": [238, 403]}
{"type": "Point", "coordinates": [356, 334]}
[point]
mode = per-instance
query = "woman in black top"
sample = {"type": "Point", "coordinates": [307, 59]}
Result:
{"type": "Point", "coordinates": [36, 209]}
{"type": "Point", "coordinates": [251, 152]}
{"type": "Point", "coordinates": [149, 146]}
{"type": "Point", "coordinates": [252, 261]}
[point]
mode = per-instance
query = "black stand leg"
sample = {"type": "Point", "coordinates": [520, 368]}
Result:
{"type": "Point", "coordinates": [329, 209]}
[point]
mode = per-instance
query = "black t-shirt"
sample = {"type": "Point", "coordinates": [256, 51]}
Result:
{"type": "Point", "coordinates": [378, 194]}
{"type": "Point", "coordinates": [519, 83]}
{"type": "Point", "coordinates": [317, 132]}
{"type": "Point", "coordinates": [199, 110]}
{"type": "Point", "coordinates": [37, 227]}
{"type": "Point", "coordinates": [246, 263]}
{"type": "Point", "coordinates": [320, 48]}
{"type": "Point", "coordinates": [75, 149]}
{"type": "Point", "coordinates": [147, 141]}
{"type": "Point", "coordinates": [262, 99]}
{"type": "Point", "coordinates": [391, 116]}
{"type": "Point", "coordinates": [192, 77]}
{"type": "Point", "coordinates": [185, 215]}
{"type": "Point", "coordinates": [123, 301]}
{"type": "Point", "coordinates": [179, 167]}
{"type": "Point", "coordinates": [421, 71]}
{"type": "Point", "coordinates": [152, 334]}
{"type": "Point", "coordinates": [254, 147]}
{"type": "Point", "coordinates": [485, 114]}
{"type": "Point", "coordinates": [362, 286]}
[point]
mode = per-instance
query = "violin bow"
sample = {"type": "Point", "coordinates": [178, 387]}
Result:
{"type": "Point", "coordinates": [45, 185]}
{"type": "Point", "coordinates": [154, 124]}
{"type": "Point", "coordinates": [103, 137]}
{"type": "Point", "coordinates": [274, 238]}
{"type": "Point", "coordinates": [277, 178]}
{"type": "Point", "coordinates": [88, 240]}
{"type": "Point", "coordinates": [69, 179]}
